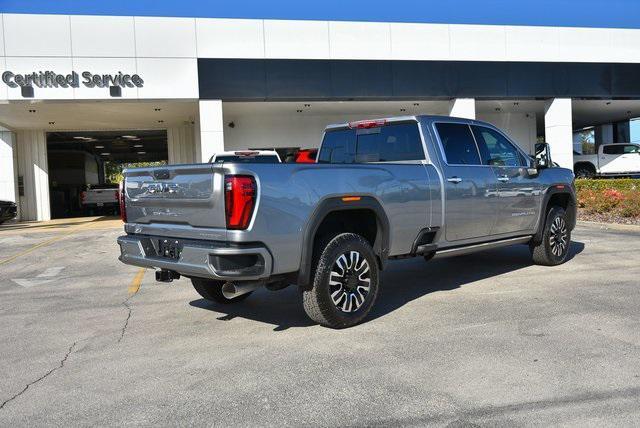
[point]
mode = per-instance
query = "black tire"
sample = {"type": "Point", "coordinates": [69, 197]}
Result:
{"type": "Point", "coordinates": [343, 298]}
{"type": "Point", "coordinates": [556, 239]}
{"type": "Point", "coordinates": [584, 171]}
{"type": "Point", "coordinates": [211, 290]}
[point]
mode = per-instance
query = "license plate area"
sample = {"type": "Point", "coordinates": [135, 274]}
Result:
{"type": "Point", "coordinates": [169, 249]}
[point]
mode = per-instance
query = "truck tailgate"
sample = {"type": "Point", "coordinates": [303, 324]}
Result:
{"type": "Point", "coordinates": [191, 195]}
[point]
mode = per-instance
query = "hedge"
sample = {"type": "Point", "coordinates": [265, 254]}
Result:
{"type": "Point", "coordinates": [622, 184]}
{"type": "Point", "coordinates": [615, 198]}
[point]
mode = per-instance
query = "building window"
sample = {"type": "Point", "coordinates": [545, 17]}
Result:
{"type": "Point", "coordinates": [584, 141]}
{"type": "Point", "coordinates": [634, 130]}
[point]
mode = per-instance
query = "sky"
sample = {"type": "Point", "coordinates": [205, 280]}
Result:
{"type": "Point", "coordinates": [572, 13]}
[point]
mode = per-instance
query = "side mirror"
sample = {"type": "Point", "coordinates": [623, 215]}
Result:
{"type": "Point", "coordinates": [542, 157]}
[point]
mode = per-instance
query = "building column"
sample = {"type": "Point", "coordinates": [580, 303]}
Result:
{"type": "Point", "coordinates": [463, 107]}
{"type": "Point", "coordinates": [33, 173]}
{"type": "Point", "coordinates": [181, 144]}
{"type": "Point", "coordinates": [211, 130]}
{"type": "Point", "coordinates": [558, 131]}
{"type": "Point", "coordinates": [8, 183]}
{"type": "Point", "coordinates": [604, 134]}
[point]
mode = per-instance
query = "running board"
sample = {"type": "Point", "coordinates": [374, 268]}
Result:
{"type": "Point", "coordinates": [458, 251]}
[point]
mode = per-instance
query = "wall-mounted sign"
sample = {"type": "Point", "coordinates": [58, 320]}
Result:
{"type": "Point", "coordinates": [49, 79]}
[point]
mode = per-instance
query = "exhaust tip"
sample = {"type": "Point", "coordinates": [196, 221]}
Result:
{"type": "Point", "coordinates": [229, 290]}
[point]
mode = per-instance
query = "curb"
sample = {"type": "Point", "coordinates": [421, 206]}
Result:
{"type": "Point", "coordinates": [613, 226]}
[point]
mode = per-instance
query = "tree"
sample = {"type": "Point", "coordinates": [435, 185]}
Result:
{"type": "Point", "coordinates": [113, 170]}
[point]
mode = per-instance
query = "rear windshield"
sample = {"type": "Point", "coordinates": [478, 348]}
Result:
{"type": "Point", "coordinates": [247, 159]}
{"type": "Point", "coordinates": [390, 143]}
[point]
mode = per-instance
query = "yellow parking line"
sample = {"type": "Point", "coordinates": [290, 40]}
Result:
{"type": "Point", "coordinates": [137, 280]}
{"type": "Point", "coordinates": [35, 247]}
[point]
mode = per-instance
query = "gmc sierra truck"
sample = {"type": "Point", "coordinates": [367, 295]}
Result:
{"type": "Point", "coordinates": [380, 190]}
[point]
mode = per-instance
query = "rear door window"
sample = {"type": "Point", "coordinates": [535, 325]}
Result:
{"type": "Point", "coordinates": [389, 143]}
{"type": "Point", "coordinates": [458, 144]}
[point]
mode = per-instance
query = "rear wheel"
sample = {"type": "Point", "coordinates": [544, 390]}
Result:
{"type": "Point", "coordinates": [345, 282]}
{"type": "Point", "coordinates": [211, 289]}
{"type": "Point", "coordinates": [556, 239]}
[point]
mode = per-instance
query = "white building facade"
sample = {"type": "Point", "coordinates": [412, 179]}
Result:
{"type": "Point", "coordinates": [219, 84]}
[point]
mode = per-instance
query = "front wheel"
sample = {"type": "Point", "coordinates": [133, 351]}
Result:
{"type": "Point", "coordinates": [556, 239]}
{"type": "Point", "coordinates": [584, 171]}
{"type": "Point", "coordinates": [345, 282]}
{"type": "Point", "coordinates": [211, 290]}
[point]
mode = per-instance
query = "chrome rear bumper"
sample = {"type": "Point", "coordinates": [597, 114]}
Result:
{"type": "Point", "coordinates": [198, 258]}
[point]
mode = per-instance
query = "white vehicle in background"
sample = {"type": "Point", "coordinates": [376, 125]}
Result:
{"type": "Point", "coordinates": [97, 199]}
{"type": "Point", "coordinates": [247, 156]}
{"type": "Point", "coordinates": [611, 160]}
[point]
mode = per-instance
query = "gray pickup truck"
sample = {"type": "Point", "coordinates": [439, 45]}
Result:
{"type": "Point", "coordinates": [381, 190]}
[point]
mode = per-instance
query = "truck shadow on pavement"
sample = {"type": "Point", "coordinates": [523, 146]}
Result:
{"type": "Point", "coordinates": [402, 282]}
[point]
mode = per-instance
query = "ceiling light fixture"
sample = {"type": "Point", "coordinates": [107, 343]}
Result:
{"type": "Point", "coordinates": [142, 153]}
{"type": "Point", "coordinates": [137, 145]}
{"type": "Point", "coordinates": [105, 154]}
{"type": "Point", "coordinates": [99, 147]}
{"type": "Point", "coordinates": [129, 137]}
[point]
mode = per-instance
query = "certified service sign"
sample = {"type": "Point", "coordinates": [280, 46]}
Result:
{"type": "Point", "coordinates": [50, 79]}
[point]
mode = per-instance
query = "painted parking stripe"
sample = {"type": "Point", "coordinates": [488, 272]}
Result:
{"type": "Point", "coordinates": [49, 275]}
{"type": "Point", "coordinates": [42, 244]}
{"type": "Point", "coordinates": [137, 280]}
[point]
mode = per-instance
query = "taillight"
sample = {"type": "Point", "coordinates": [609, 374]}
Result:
{"type": "Point", "coordinates": [239, 200]}
{"type": "Point", "coordinates": [121, 196]}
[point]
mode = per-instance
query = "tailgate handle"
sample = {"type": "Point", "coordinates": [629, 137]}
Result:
{"type": "Point", "coordinates": [161, 174]}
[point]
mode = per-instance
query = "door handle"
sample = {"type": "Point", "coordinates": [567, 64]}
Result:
{"type": "Point", "coordinates": [503, 178]}
{"type": "Point", "coordinates": [454, 180]}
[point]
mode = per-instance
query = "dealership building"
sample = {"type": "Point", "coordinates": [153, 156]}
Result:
{"type": "Point", "coordinates": [86, 86]}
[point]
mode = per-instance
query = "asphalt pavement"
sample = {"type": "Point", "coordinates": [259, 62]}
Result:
{"type": "Point", "coordinates": [479, 340]}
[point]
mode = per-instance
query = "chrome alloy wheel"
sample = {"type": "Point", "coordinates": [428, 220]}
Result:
{"type": "Point", "coordinates": [349, 281]}
{"type": "Point", "coordinates": [558, 236]}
